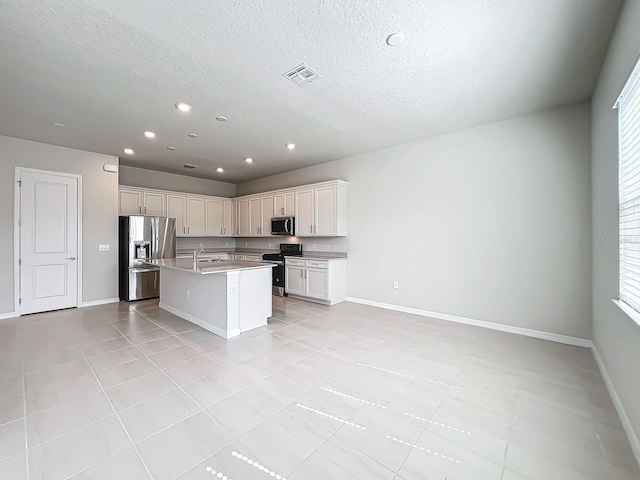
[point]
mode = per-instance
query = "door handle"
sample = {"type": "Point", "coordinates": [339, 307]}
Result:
{"type": "Point", "coordinates": [70, 258]}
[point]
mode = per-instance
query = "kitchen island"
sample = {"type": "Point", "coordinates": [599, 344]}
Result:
{"type": "Point", "coordinates": [224, 297]}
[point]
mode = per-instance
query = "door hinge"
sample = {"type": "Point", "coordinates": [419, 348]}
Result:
{"type": "Point", "coordinates": [19, 183]}
{"type": "Point", "coordinates": [19, 261]}
{"type": "Point", "coordinates": [19, 301]}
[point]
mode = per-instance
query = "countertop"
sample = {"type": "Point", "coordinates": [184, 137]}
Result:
{"type": "Point", "coordinates": [312, 255]}
{"type": "Point", "coordinates": [204, 268]}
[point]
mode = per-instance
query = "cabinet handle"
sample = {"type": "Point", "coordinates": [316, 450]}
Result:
{"type": "Point", "coordinates": [301, 273]}
{"type": "Point", "coordinates": [184, 229]}
{"type": "Point", "coordinates": [282, 210]}
{"type": "Point", "coordinates": [145, 210]}
{"type": "Point", "coordinates": [140, 209]}
{"type": "Point", "coordinates": [225, 231]}
{"type": "Point", "coordinates": [220, 230]}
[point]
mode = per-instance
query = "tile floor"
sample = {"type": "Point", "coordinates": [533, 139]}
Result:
{"type": "Point", "coordinates": [128, 391]}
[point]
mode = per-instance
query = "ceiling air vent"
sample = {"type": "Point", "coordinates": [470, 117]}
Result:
{"type": "Point", "coordinates": [190, 165]}
{"type": "Point", "coordinates": [301, 74]}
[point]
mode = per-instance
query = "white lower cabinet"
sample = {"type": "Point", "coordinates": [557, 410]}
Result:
{"type": "Point", "coordinates": [323, 281]}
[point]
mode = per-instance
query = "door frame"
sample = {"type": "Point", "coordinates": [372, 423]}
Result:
{"type": "Point", "coordinates": [16, 233]}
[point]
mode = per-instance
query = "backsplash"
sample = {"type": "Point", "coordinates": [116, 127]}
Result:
{"type": "Point", "coordinates": [184, 243]}
{"type": "Point", "coordinates": [268, 243]}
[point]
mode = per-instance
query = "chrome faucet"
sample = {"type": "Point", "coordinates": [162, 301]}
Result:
{"type": "Point", "coordinates": [195, 257]}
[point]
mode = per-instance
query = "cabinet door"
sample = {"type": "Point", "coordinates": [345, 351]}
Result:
{"type": "Point", "coordinates": [317, 283]}
{"type": "Point", "coordinates": [130, 202]}
{"type": "Point", "coordinates": [283, 204]}
{"type": "Point", "coordinates": [177, 208]}
{"type": "Point", "coordinates": [304, 213]}
{"type": "Point", "coordinates": [195, 217]}
{"type": "Point", "coordinates": [294, 280]}
{"type": "Point", "coordinates": [214, 215]}
{"type": "Point", "coordinates": [228, 222]}
{"type": "Point", "coordinates": [325, 200]}
{"type": "Point", "coordinates": [266, 204]}
{"type": "Point", "coordinates": [243, 218]}
{"type": "Point", "coordinates": [154, 203]}
{"type": "Point", "coordinates": [255, 217]}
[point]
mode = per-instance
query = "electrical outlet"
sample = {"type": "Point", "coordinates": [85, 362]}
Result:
{"type": "Point", "coordinates": [270, 245]}
{"type": "Point", "coordinates": [104, 248]}
{"type": "Point", "coordinates": [327, 246]}
{"type": "Point", "coordinates": [201, 245]}
{"type": "Point", "coordinates": [395, 285]}
{"type": "Point", "coordinates": [246, 244]}
{"type": "Point", "coordinates": [188, 294]}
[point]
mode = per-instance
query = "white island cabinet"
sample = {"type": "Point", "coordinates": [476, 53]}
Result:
{"type": "Point", "coordinates": [226, 298]}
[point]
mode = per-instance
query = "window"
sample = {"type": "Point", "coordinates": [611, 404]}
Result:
{"type": "Point", "coordinates": [628, 105]}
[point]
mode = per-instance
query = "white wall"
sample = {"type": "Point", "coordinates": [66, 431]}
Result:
{"type": "Point", "coordinates": [490, 223]}
{"type": "Point", "coordinates": [616, 336]}
{"type": "Point", "coordinates": [99, 213]}
{"type": "Point", "coordinates": [140, 177]}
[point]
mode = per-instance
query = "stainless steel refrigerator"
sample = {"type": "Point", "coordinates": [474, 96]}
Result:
{"type": "Point", "coordinates": [142, 238]}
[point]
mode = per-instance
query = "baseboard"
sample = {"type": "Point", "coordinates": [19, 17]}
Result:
{"type": "Point", "coordinates": [4, 316]}
{"type": "Point", "coordinates": [626, 423]}
{"type": "Point", "coordinates": [104, 301]}
{"type": "Point", "coordinates": [212, 328]}
{"type": "Point", "coordinates": [554, 337]}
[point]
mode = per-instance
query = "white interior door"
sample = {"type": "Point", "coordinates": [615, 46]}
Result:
{"type": "Point", "coordinates": [48, 242]}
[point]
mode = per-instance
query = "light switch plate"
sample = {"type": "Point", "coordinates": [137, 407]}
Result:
{"type": "Point", "coordinates": [104, 248]}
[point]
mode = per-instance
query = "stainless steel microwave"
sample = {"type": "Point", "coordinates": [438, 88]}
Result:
{"type": "Point", "coordinates": [283, 226]}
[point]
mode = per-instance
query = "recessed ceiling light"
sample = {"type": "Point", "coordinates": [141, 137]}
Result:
{"type": "Point", "coordinates": [219, 170]}
{"type": "Point", "coordinates": [192, 135]}
{"type": "Point", "coordinates": [129, 151]}
{"type": "Point", "coordinates": [395, 39]}
{"type": "Point", "coordinates": [291, 146]}
{"type": "Point", "coordinates": [183, 107]}
{"type": "Point", "coordinates": [248, 160]}
{"type": "Point", "coordinates": [59, 124]}
{"type": "Point", "coordinates": [221, 118]}
{"type": "Point", "coordinates": [171, 148]}
{"type": "Point", "coordinates": [149, 134]}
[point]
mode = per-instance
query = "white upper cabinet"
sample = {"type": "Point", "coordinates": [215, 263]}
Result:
{"type": "Point", "coordinates": [154, 203]}
{"type": "Point", "coordinates": [177, 208]}
{"type": "Point", "coordinates": [255, 217]}
{"type": "Point", "coordinates": [320, 210]}
{"type": "Point", "coordinates": [196, 217]}
{"type": "Point", "coordinates": [130, 202]}
{"type": "Point", "coordinates": [266, 204]}
{"type": "Point", "coordinates": [243, 218]}
{"type": "Point", "coordinates": [229, 219]}
{"type": "Point", "coordinates": [141, 202]}
{"type": "Point", "coordinates": [305, 215]}
{"type": "Point", "coordinates": [284, 204]}
{"type": "Point", "coordinates": [214, 218]}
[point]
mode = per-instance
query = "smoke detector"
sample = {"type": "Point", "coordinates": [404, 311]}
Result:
{"type": "Point", "coordinates": [190, 165]}
{"type": "Point", "coordinates": [301, 74]}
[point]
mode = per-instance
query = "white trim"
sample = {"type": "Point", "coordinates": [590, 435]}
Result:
{"type": "Point", "coordinates": [626, 423]}
{"type": "Point", "coordinates": [554, 337]}
{"type": "Point", "coordinates": [16, 233]}
{"type": "Point", "coordinates": [630, 311]}
{"type": "Point", "coordinates": [213, 329]}
{"type": "Point", "coordinates": [5, 316]}
{"type": "Point", "coordinates": [104, 301]}
{"type": "Point", "coordinates": [631, 79]}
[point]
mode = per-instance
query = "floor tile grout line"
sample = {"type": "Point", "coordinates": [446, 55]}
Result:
{"type": "Point", "coordinates": [121, 424]}
{"type": "Point", "coordinates": [24, 405]}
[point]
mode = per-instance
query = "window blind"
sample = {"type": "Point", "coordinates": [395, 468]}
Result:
{"type": "Point", "coordinates": [629, 189]}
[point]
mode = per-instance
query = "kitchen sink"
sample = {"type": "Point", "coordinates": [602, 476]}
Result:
{"type": "Point", "coordinates": [211, 260]}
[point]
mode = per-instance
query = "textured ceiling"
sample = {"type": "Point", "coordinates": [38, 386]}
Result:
{"type": "Point", "coordinates": [112, 69]}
